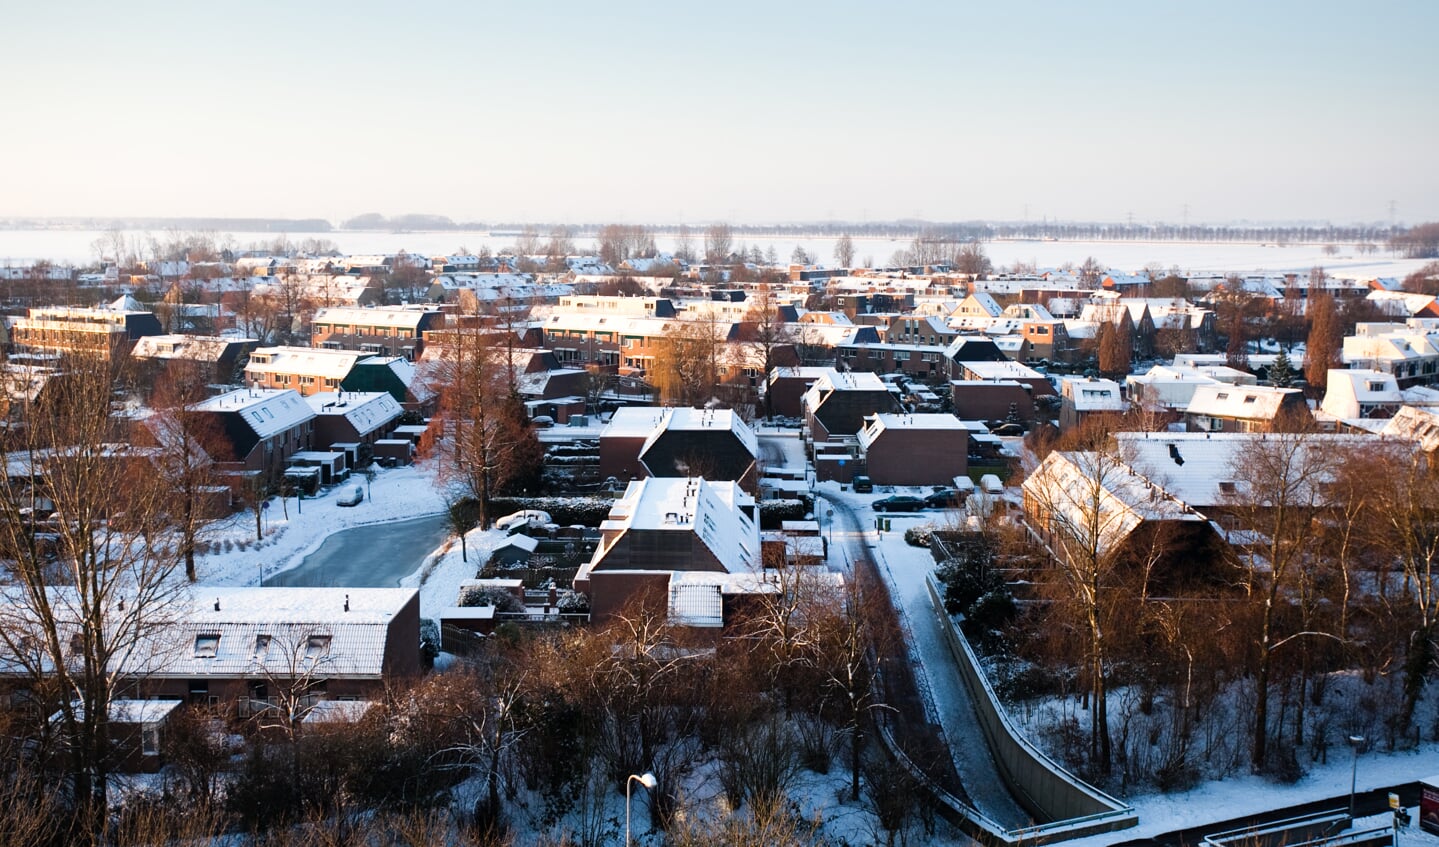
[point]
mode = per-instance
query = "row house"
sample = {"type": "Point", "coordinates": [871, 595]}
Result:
{"type": "Point", "coordinates": [920, 361]}
{"type": "Point", "coordinates": [688, 540]}
{"type": "Point", "coordinates": [386, 330]}
{"type": "Point", "coordinates": [256, 430]}
{"type": "Point", "coordinates": [1409, 351]}
{"type": "Point", "coordinates": [106, 331]}
{"type": "Point", "coordinates": [915, 329]}
{"type": "Point", "coordinates": [304, 369]}
{"type": "Point", "coordinates": [1360, 394]}
{"type": "Point", "coordinates": [1224, 408]}
{"type": "Point", "coordinates": [1082, 398]}
{"type": "Point", "coordinates": [218, 359]}
{"type": "Point", "coordinates": [353, 418]}
{"type": "Point", "coordinates": [642, 441]}
{"type": "Point", "coordinates": [914, 449]}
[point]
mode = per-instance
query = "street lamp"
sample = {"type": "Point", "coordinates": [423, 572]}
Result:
{"type": "Point", "coordinates": [646, 779]}
{"type": "Point", "coordinates": [1355, 741]}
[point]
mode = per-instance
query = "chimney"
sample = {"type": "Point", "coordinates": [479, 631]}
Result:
{"type": "Point", "coordinates": [217, 604]}
{"type": "Point", "coordinates": [347, 602]}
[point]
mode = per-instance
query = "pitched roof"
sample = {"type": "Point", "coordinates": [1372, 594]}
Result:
{"type": "Point", "coordinates": [267, 411]}
{"type": "Point", "coordinates": [1248, 402]}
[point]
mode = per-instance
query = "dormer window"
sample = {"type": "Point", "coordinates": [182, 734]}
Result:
{"type": "Point", "coordinates": [207, 645]}
{"type": "Point", "coordinates": [317, 647]}
{"type": "Point", "coordinates": [262, 646]}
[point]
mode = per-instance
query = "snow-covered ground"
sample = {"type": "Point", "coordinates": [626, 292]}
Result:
{"type": "Point", "coordinates": [68, 246]}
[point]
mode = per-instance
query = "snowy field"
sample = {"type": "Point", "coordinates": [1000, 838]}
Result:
{"type": "Point", "coordinates": [20, 247]}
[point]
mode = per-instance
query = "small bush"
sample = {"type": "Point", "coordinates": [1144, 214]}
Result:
{"type": "Point", "coordinates": [919, 536]}
{"type": "Point", "coordinates": [502, 600]}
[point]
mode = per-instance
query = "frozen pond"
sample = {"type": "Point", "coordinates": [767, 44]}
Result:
{"type": "Point", "coordinates": [373, 556]}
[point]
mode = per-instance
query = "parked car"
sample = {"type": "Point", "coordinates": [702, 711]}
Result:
{"type": "Point", "coordinates": [1008, 429]}
{"type": "Point", "coordinates": [862, 485]}
{"type": "Point", "coordinates": [519, 520]}
{"type": "Point", "coordinates": [945, 498]}
{"type": "Point", "coordinates": [899, 503]}
{"type": "Point", "coordinates": [350, 495]}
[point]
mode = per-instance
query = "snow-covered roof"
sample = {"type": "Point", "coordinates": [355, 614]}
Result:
{"type": "Point", "coordinates": [685, 419]}
{"type": "Point", "coordinates": [306, 361]}
{"type": "Point", "coordinates": [878, 424]}
{"type": "Point", "coordinates": [714, 511]}
{"type": "Point", "coordinates": [1353, 393]}
{"type": "Point", "coordinates": [203, 348]}
{"type": "Point", "coordinates": [987, 371]}
{"type": "Point", "coordinates": [226, 631]}
{"type": "Point", "coordinates": [1419, 424]}
{"type": "Point", "coordinates": [406, 317]}
{"type": "Point", "coordinates": [268, 411]}
{"type": "Point", "coordinates": [1250, 402]}
{"type": "Point", "coordinates": [367, 411]}
{"type": "Point", "coordinates": [1098, 500]}
{"type": "Point", "coordinates": [1087, 394]}
{"type": "Point", "coordinates": [1204, 469]}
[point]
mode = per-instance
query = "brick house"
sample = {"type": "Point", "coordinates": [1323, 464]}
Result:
{"type": "Point", "coordinates": [922, 449]}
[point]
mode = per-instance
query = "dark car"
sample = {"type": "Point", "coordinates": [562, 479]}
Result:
{"type": "Point", "coordinates": [945, 498]}
{"type": "Point", "coordinates": [1008, 429]}
{"type": "Point", "coordinates": [899, 503]}
{"type": "Point", "coordinates": [862, 485]}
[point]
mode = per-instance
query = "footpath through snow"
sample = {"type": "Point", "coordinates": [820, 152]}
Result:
{"type": "Point", "coordinates": [904, 569]}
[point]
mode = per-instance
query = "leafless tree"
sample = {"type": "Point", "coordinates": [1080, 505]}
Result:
{"type": "Point", "coordinates": [84, 607]}
{"type": "Point", "coordinates": [844, 251]}
{"type": "Point", "coordinates": [719, 241]}
{"type": "Point", "coordinates": [1280, 498]}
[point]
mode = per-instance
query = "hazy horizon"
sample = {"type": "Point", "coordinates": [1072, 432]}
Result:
{"type": "Point", "coordinates": [1224, 112]}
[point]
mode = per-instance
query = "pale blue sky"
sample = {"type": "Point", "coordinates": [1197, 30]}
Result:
{"type": "Point", "coordinates": [753, 112]}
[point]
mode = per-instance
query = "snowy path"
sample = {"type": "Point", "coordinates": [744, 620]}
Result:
{"type": "Point", "coordinates": [904, 569]}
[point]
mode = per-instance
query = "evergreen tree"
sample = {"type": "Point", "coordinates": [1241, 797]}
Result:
{"type": "Point", "coordinates": [1281, 373]}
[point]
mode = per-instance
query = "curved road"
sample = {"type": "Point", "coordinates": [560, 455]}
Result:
{"type": "Point", "coordinates": [372, 556]}
{"type": "Point", "coordinates": [944, 692]}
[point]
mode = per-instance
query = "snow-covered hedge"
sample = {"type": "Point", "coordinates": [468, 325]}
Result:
{"type": "Point", "coordinates": [565, 511]}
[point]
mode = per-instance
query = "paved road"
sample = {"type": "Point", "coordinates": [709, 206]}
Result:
{"type": "Point", "coordinates": [375, 556]}
{"type": "Point", "coordinates": [939, 680]}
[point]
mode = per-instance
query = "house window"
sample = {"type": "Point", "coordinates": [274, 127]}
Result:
{"type": "Point", "coordinates": [307, 380]}
{"type": "Point", "coordinates": [262, 646]}
{"type": "Point", "coordinates": [150, 741]}
{"type": "Point", "coordinates": [207, 645]}
{"type": "Point", "coordinates": [1250, 399]}
{"type": "Point", "coordinates": [317, 647]}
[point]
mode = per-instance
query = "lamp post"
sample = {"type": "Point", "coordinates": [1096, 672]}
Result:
{"type": "Point", "coordinates": [1355, 741]}
{"type": "Point", "coordinates": [646, 779]}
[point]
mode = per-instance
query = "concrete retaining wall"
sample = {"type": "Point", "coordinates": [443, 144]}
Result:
{"type": "Point", "coordinates": [1046, 790]}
